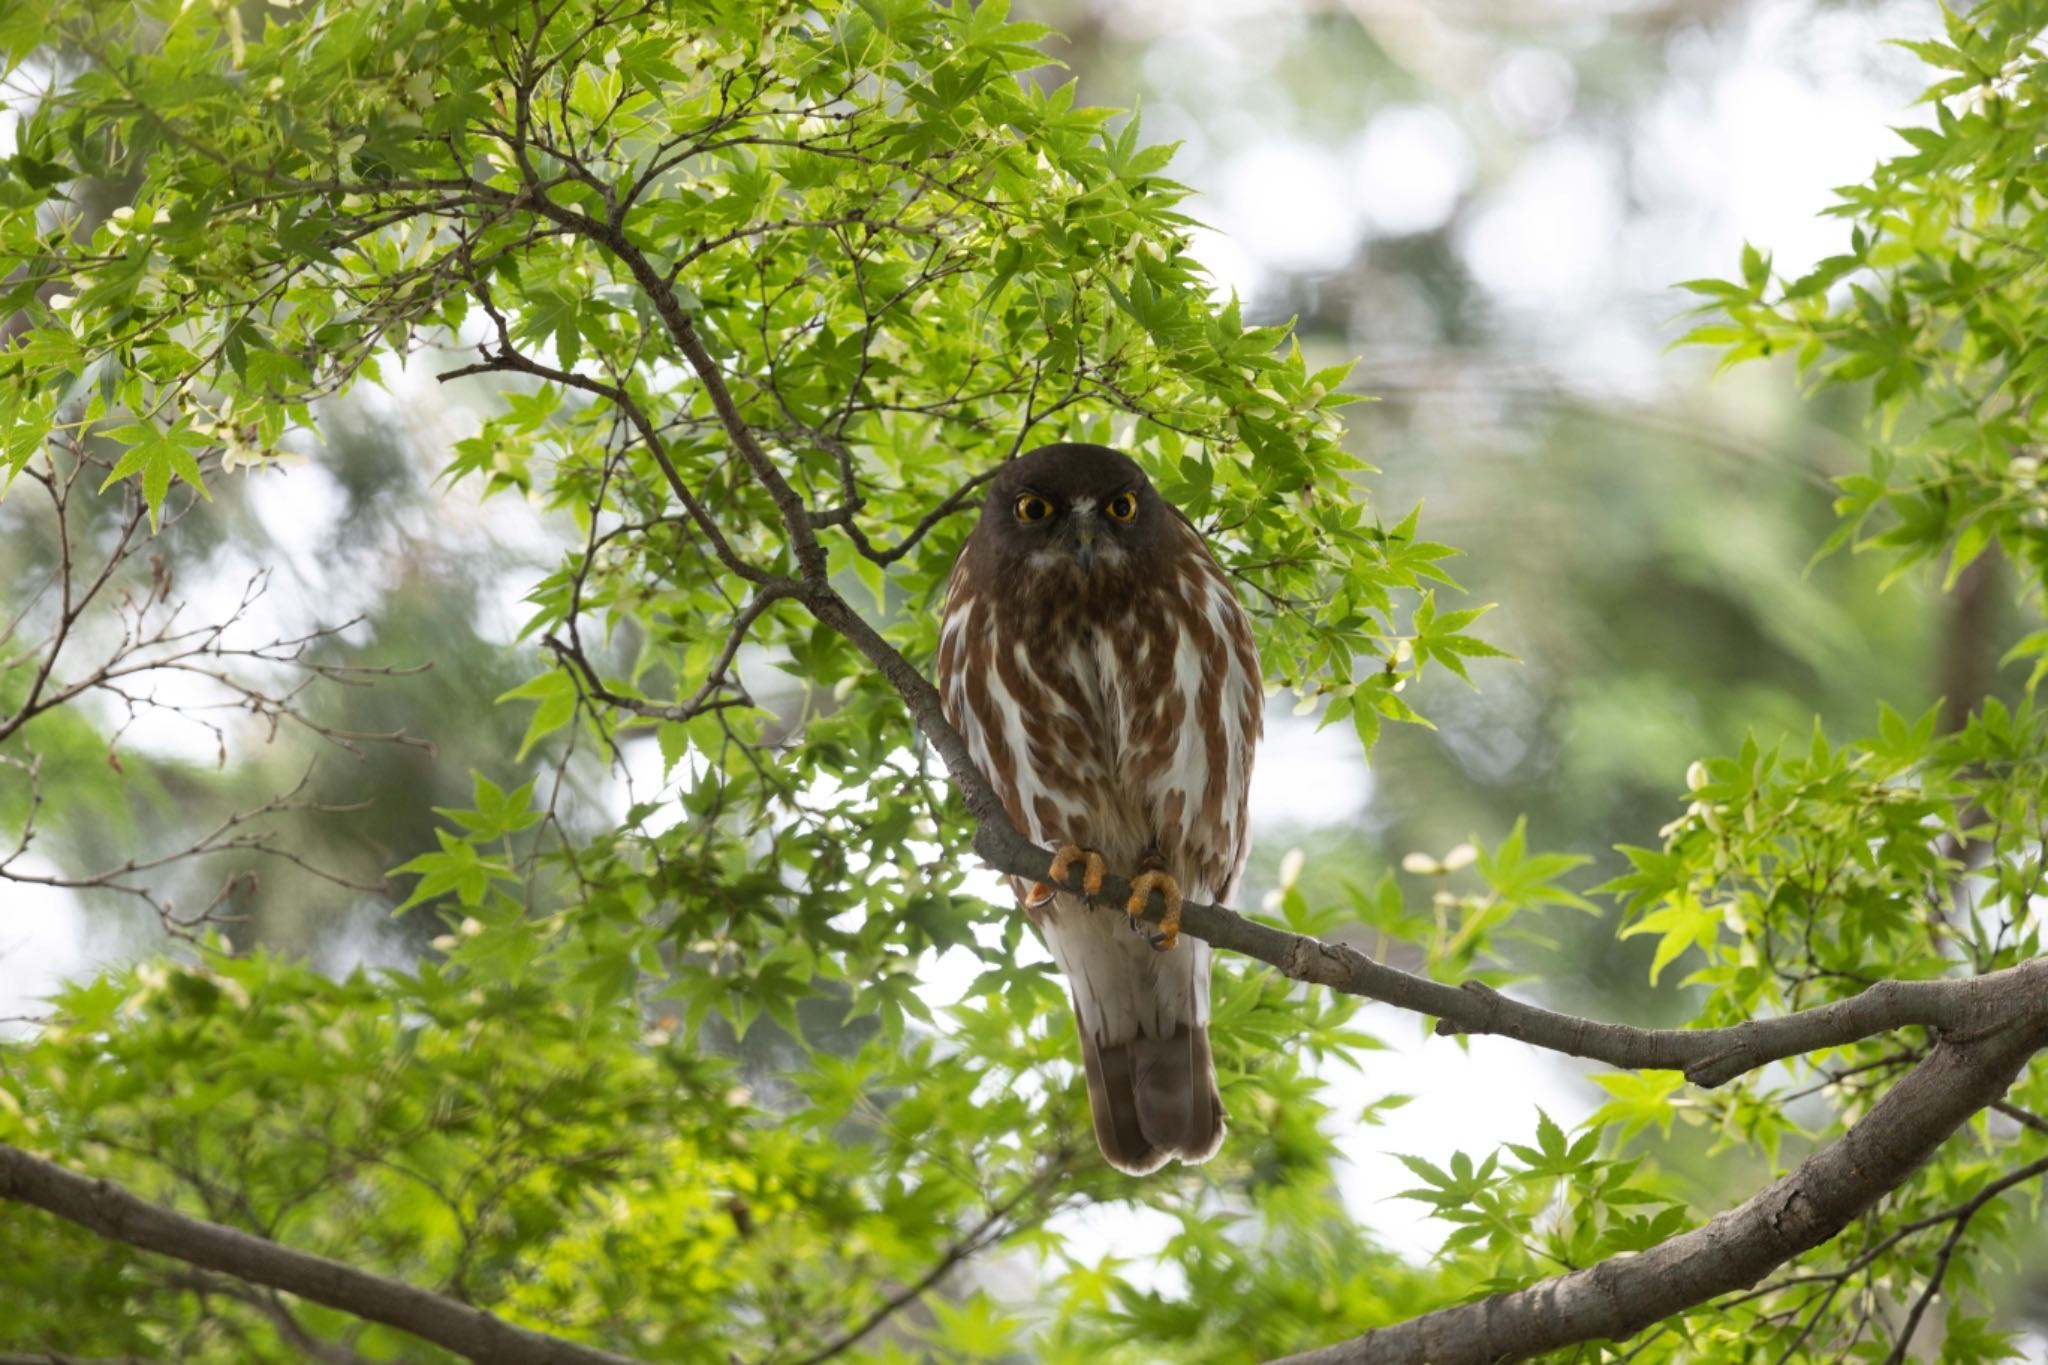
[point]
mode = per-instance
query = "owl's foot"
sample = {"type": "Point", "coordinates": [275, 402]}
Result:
{"type": "Point", "coordinates": [1142, 887]}
{"type": "Point", "coordinates": [1093, 870]}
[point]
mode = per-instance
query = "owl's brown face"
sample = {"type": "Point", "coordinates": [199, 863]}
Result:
{"type": "Point", "coordinates": [1072, 511]}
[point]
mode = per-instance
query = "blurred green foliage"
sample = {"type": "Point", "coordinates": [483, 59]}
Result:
{"type": "Point", "coordinates": [664, 1078]}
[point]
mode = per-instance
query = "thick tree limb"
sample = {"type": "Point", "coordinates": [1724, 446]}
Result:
{"type": "Point", "coordinates": [1622, 1296]}
{"type": "Point", "coordinates": [105, 1208]}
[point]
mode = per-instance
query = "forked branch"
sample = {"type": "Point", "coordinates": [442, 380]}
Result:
{"type": "Point", "coordinates": [1620, 1297]}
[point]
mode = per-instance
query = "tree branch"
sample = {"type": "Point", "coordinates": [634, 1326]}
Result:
{"type": "Point", "coordinates": [789, 504]}
{"type": "Point", "coordinates": [507, 359]}
{"type": "Point", "coordinates": [1709, 1057]}
{"type": "Point", "coordinates": [105, 1208]}
{"type": "Point", "coordinates": [2025, 1118]}
{"type": "Point", "coordinates": [270, 1305]}
{"type": "Point", "coordinates": [1961, 1217]}
{"type": "Point", "coordinates": [1620, 1297]}
{"type": "Point", "coordinates": [993, 1228]}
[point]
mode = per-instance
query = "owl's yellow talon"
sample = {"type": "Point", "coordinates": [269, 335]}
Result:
{"type": "Point", "coordinates": [1093, 868]}
{"type": "Point", "coordinates": [1142, 887]}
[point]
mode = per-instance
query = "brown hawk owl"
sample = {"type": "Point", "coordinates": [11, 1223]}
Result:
{"type": "Point", "coordinates": [1104, 677]}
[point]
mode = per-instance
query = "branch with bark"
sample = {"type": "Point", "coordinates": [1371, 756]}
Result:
{"type": "Point", "coordinates": [100, 1206]}
{"type": "Point", "coordinates": [254, 1270]}
{"type": "Point", "coordinates": [1620, 1297]}
{"type": "Point", "coordinates": [106, 625]}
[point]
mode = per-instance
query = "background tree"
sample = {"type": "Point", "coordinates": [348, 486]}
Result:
{"type": "Point", "coordinates": [774, 290]}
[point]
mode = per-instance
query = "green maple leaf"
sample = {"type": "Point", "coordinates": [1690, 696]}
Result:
{"type": "Point", "coordinates": [157, 455]}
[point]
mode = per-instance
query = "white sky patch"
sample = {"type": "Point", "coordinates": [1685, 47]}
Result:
{"type": "Point", "coordinates": [1779, 183]}
{"type": "Point", "coordinates": [1184, 57]}
{"type": "Point", "coordinates": [1547, 236]}
{"type": "Point", "coordinates": [638, 776]}
{"type": "Point", "coordinates": [367, 938]}
{"type": "Point", "coordinates": [1532, 90]}
{"type": "Point", "coordinates": [1750, 149]}
{"type": "Point", "coordinates": [1128, 1231]}
{"type": "Point", "coordinates": [21, 90]}
{"type": "Point", "coordinates": [43, 942]}
{"type": "Point", "coordinates": [172, 709]}
{"type": "Point", "coordinates": [1285, 200]}
{"type": "Point", "coordinates": [1252, 33]}
{"type": "Point", "coordinates": [945, 979]}
{"type": "Point", "coordinates": [1764, 148]}
{"type": "Point", "coordinates": [1232, 270]}
{"type": "Point", "coordinates": [1625, 363]}
{"type": "Point", "coordinates": [503, 610]}
{"type": "Point", "coordinates": [299, 504]}
{"type": "Point", "coordinates": [1308, 777]}
{"type": "Point", "coordinates": [1469, 1100]}
{"type": "Point", "coordinates": [1409, 168]}
{"type": "Point", "coordinates": [1166, 123]}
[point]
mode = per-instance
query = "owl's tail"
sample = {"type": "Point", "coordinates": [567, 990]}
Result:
{"type": "Point", "coordinates": [1143, 1017]}
{"type": "Point", "coordinates": [1154, 1098]}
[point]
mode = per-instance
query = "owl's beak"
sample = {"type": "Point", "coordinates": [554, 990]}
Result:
{"type": "Point", "coordinates": [1084, 542]}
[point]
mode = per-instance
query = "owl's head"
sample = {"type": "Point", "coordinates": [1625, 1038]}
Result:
{"type": "Point", "coordinates": [1073, 507]}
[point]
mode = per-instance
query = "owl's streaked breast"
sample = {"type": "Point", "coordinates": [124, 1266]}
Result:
{"type": "Point", "coordinates": [1024, 688]}
{"type": "Point", "coordinates": [1122, 717]}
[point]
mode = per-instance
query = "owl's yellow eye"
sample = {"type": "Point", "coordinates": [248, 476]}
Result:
{"type": "Point", "coordinates": [1122, 507]}
{"type": "Point", "coordinates": [1032, 508]}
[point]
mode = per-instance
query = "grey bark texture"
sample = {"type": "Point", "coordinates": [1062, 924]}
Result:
{"type": "Point", "coordinates": [1622, 1296]}
{"type": "Point", "coordinates": [105, 1208]}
